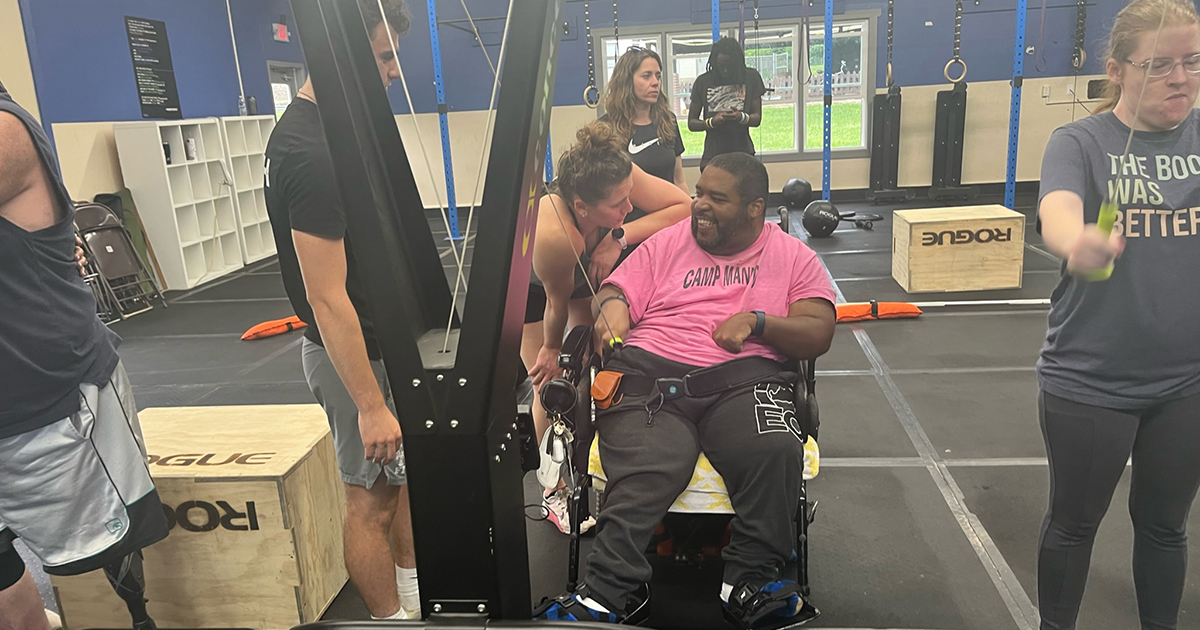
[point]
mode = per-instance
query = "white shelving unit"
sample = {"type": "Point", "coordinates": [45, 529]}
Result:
{"type": "Point", "coordinates": [188, 213]}
{"type": "Point", "coordinates": [245, 145]}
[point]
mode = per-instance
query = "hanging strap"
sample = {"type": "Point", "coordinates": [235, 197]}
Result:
{"type": "Point", "coordinates": [890, 23]}
{"type": "Point", "coordinates": [1079, 57]}
{"type": "Point", "coordinates": [804, 6]}
{"type": "Point", "coordinates": [616, 29]}
{"type": "Point", "coordinates": [742, 23]}
{"type": "Point", "coordinates": [591, 94]}
{"type": "Point", "coordinates": [1039, 62]}
{"type": "Point", "coordinates": [956, 59]}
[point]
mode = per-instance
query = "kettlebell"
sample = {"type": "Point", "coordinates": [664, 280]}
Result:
{"type": "Point", "coordinates": [820, 219]}
{"type": "Point", "coordinates": [797, 193]}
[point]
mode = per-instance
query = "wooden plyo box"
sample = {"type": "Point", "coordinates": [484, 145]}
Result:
{"type": "Point", "coordinates": [256, 508]}
{"type": "Point", "coordinates": [970, 248]}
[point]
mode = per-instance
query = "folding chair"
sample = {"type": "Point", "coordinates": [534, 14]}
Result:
{"type": "Point", "coordinates": [130, 284]}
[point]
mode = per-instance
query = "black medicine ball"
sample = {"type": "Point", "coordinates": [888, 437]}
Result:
{"type": "Point", "coordinates": [798, 193]}
{"type": "Point", "coordinates": [821, 218]}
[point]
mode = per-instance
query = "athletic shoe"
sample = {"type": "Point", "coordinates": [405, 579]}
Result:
{"type": "Point", "coordinates": [410, 614]}
{"type": "Point", "coordinates": [587, 524]}
{"type": "Point", "coordinates": [54, 620]}
{"type": "Point", "coordinates": [579, 606]}
{"type": "Point", "coordinates": [555, 505]}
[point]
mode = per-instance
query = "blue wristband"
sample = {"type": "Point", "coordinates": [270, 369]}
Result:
{"type": "Point", "coordinates": [760, 323]}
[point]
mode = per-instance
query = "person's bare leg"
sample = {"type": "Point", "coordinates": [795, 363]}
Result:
{"type": "Point", "coordinates": [21, 606]}
{"type": "Point", "coordinates": [369, 515]}
{"type": "Point", "coordinates": [403, 552]}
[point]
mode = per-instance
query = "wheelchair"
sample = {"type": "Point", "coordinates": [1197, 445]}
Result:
{"type": "Point", "coordinates": [696, 525]}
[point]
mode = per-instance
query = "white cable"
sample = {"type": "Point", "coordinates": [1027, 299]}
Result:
{"type": "Point", "coordinates": [417, 129]}
{"type": "Point", "coordinates": [480, 39]}
{"type": "Point", "coordinates": [236, 63]}
{"type": "Point", "coordinates": [487, 139]}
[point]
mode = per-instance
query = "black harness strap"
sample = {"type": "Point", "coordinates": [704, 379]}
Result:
{"type": "Point", "coordinates": [706, 381]}
{"type": "Point", "coordinates": [591, 94]}
{"type": "Point", "coordinates": [1079, 57]}
{"type": "Point", "coordinates": [956, 59]}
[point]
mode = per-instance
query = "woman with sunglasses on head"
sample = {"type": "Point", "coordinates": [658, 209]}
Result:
{"type": "Point", "coordinates": [636, 107]}
{"type": "Point", "coordinates": [726, 102]}
{"type": "Point", "coordinates": [1120, 369]}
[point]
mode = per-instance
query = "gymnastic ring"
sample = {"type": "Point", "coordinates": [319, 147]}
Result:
{"type": "Point", "coordinates": [889, 74]}
{"type": "Point", "coordinates": [588, 98]}
{"type": "Point", "coordinates": [950, 64]}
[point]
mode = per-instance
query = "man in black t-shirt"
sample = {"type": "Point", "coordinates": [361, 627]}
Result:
{"type": "Point", "coordinates": [726, 102]}
{"type": "Point", "coordinates": [341, 357]}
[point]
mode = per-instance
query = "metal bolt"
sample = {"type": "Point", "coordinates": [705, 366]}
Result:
{"type": "Point", "coordinates": [508, 436]}
{"type": "Point", "coordinates": [454, 424]}
{"type": "Point", "coordinates": [437, 608]}
{"type": "Point", "coordinates": [514, 426]}
{"type": "Point", "coordinates": [462, 382]}
{"type": "Point", "coordinates": [503, 447]}
{"type": "Point", "coordinates": [416, 382]}
{"type": "Point", "coordinates": [481, 608]}
{"type": "Point", "coordinates": [440, 377]}
{"type": "Point", "coordinates": [497, 459]}
{"type": "Point", "coordinates": [429, 424]}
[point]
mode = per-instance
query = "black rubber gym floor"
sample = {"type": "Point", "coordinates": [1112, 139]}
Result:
{"type": "Point", "coordinates": [933, 482]}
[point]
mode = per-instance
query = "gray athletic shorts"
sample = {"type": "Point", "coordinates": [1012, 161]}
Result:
{"type": "Point", "coordinates": [78, 491]}
{"type": "Point", "coordinates": [327, 386]}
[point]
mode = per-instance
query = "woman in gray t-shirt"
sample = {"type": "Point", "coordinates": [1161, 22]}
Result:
{"type": "Point", "coordinates": [1120, 369]}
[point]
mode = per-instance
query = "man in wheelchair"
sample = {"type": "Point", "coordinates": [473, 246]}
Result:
{"type": "Point", "coordinates": [703, 316]}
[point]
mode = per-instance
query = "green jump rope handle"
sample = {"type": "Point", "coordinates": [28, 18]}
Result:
{"type": "Point", "coordinates": [1104, 221]}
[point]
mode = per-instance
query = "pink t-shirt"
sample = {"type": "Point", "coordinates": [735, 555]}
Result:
{"type": "Point", "coordinates": [679, 294]}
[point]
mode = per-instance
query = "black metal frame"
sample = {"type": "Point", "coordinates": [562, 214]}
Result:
{"type": "Point", "coordinates": [885, 149]}
{"type": "Point", "coordinates": [948, 130]}
{"type": "Point", "coordinates": [458, 416]}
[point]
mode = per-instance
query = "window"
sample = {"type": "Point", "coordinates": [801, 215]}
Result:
{"type": "Point", "coordinates": [849, 112]}
{"type": "Point", "coordinates": [771, 52]}
{"type": "Point", "coordinates": [611, 50]}
{"type": "Point", "coordinates": [689, 58]}
{"type": "Point", "coordinates": [793, 105]}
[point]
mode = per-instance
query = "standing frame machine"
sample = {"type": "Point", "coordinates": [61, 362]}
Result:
{"type": "Point", "coordinates": [458, 412]}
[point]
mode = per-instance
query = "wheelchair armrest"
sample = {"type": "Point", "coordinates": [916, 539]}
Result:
{"type": "Point", "coordinates": [575, 352]}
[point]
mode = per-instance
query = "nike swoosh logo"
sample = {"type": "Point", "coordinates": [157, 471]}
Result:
{"type": "Point", "coordinates": [638, 148]}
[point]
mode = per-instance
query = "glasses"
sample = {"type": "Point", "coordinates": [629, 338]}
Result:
{"type": "Point", "coordinates": [1159, 67]}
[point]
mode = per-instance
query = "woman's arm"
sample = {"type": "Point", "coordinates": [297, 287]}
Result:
{"type": "Point", "coordinates": [664, 203]}
{"type": "Point", "coordinates": [554, 263]}
{"type": "Point", "coordinates": [699, 97]}
{"type": "Point", "coordinates": [1084, 247]}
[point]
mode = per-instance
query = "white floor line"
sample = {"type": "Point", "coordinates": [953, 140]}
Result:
{"type": "Point", "coordinates": [1019, 605]}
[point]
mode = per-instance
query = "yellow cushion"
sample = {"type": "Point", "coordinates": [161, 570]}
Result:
{"type": "Point", "coordinates": [706, 491]}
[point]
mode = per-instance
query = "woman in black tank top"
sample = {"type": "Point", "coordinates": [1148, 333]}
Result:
{"type": "Point", "coordinates": [581, 225]}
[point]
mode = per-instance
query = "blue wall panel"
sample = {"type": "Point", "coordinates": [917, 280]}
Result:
{"type": "Point", "coordinates": [84, 73]}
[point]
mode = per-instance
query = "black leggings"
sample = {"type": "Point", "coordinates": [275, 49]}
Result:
{"type": "Point", "coordinates": [1088, 448]}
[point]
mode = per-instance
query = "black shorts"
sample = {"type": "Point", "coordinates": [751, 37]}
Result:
{"type": "Point", "coordinates": [535, 304]}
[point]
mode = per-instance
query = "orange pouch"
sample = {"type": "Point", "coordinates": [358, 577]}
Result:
{"type": "Point", "coordinates": [604, 389]}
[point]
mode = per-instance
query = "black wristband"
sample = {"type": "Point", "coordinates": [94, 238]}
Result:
{"type": "Point", "coordinates": [613, 297]}
{"type": "Point", "coordinates": [760, 323]}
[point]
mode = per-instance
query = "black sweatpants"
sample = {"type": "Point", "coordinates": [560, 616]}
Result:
{"type": "Point", "coordinates": [1088, 448]}
{"type": "Point", "coordinates": [752, 439]}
